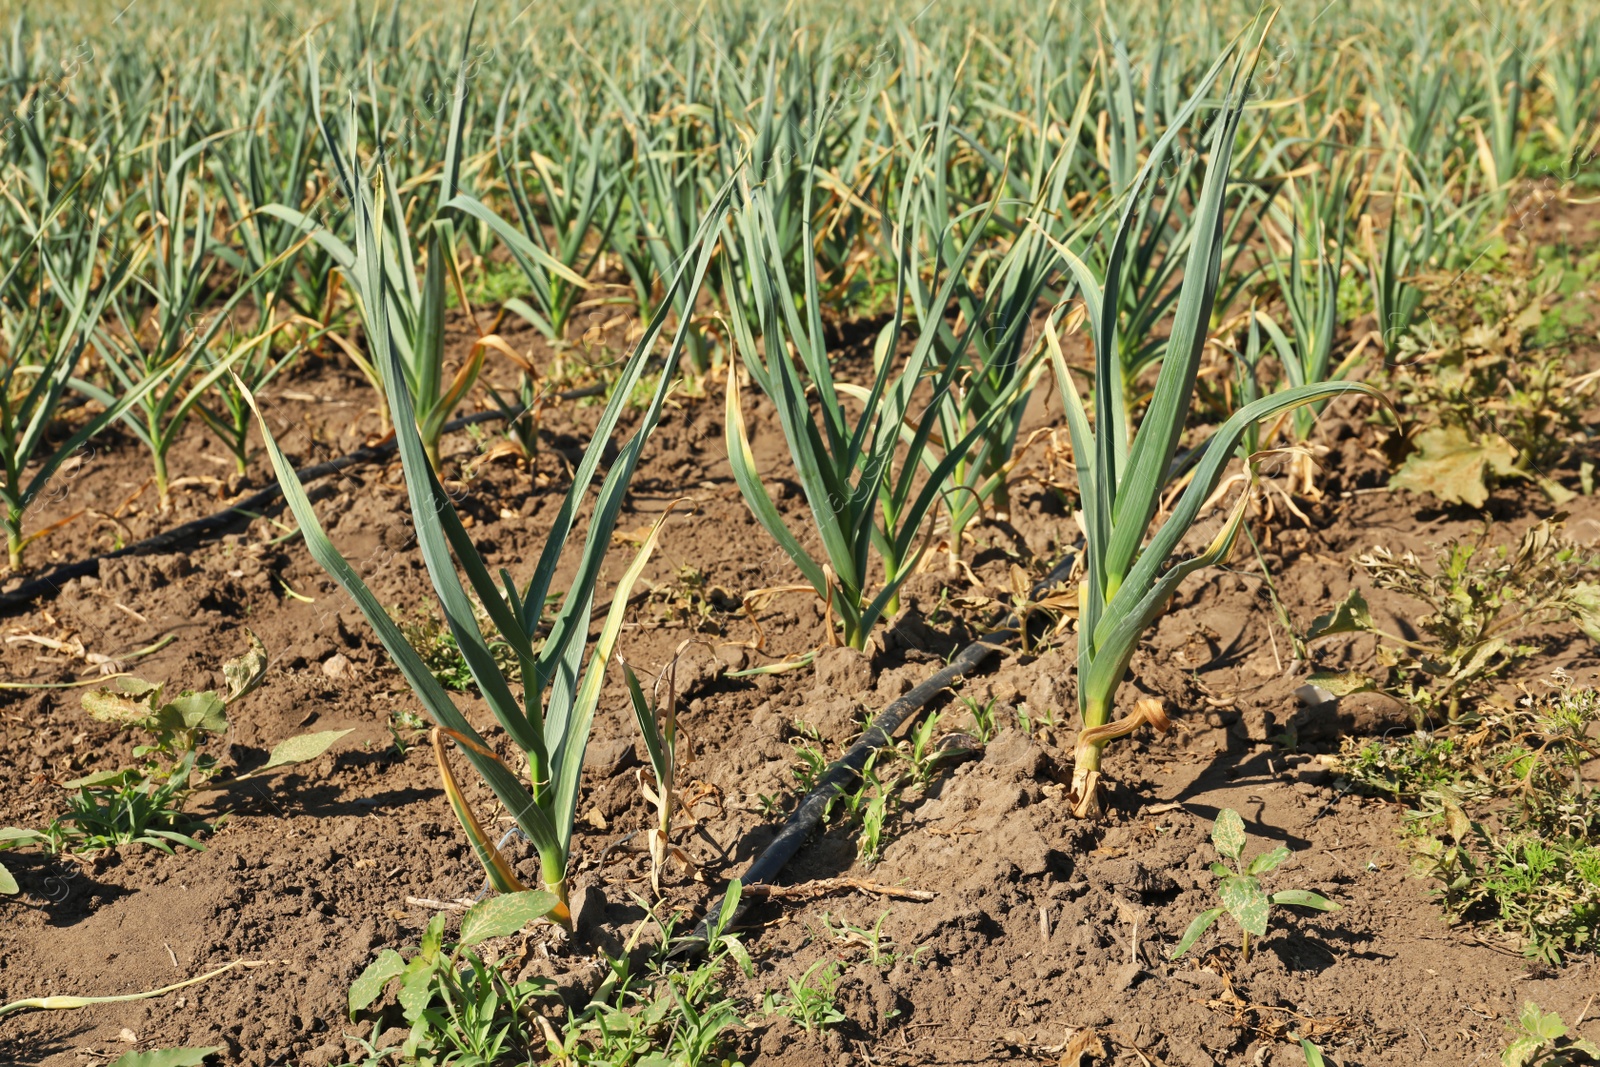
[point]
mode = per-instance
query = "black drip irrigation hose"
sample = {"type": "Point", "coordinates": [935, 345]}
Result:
{"type": "Point", "coordinates": [50, 584]}
{"type": "Point", "coordinates": [805, 819]}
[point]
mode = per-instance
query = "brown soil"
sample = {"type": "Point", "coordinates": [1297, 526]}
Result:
{"type": "Point", "coordinates": [1039, 924]}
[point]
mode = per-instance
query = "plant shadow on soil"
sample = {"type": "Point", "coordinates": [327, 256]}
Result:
{"type": "Point", "coordinates": [68, 894]}
{"type": "Point", "coordinates": [42, 1048]}
{"type": "Point", "coordinates": [1234, 767]}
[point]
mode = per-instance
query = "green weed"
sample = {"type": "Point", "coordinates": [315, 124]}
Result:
{"type": "Point", "coordinates": [877, 948]}
{"type": "Point", "coordinates": [810, 1000]}
{"type": "Point", "coordinates": [1483, 608]}
{"type": "Point", "coordinates": [144, 805]}
{"type": "Point", "coordinates": [440, 653]}
{"type": "Point", "coordinates": [1478, 408]}
{"type": "Point", "coordinates": [1541, 1039]}
{"type": "Point", "coordinates": [464, 1009]}
{"type": "Point", "coordinates": [812, 763]}
{"type": "Point", "coordinates": [1239, 888]}
{"type": "Point", "coordinates": [690, 600]}
{"type": "Point", "coordinates": [1502, 817]}
{"type": "Point", "coordinates": [983, 721]}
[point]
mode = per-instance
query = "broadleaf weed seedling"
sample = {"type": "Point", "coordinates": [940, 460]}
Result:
{"type": "Point", "coordinates": [463, 1007]}
{"type": "Point", "coordinates": [674, 1015]}
{"type": "Point", "coordinates": [459, 1007]}
{"type": "Point", "coordinates": [1484, 608]}
{"type": "Point", "coordinates": [1479, 410]}
{"type": "Point", "coordinates": [1541, 1039]}
{"type": "Point", "coordinates": [1239, 888]}
{"type": "Point", "coordinates": [689, 600]}
{"type": "Point", "coordinates": [406, 728]}
{"type": "Point", "coordinates": [437, 646]}
{"type": "Point", "coordinates": [144, 805]}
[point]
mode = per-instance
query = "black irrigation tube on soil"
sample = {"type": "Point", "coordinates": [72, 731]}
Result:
{"type": "Point", "coordinates": [50, 584]}
{"type": "Point", "coordinates": [805, 819]}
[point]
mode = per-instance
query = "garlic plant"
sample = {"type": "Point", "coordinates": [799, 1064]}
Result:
{"type": "Point", "coordinates": [1124, 470]}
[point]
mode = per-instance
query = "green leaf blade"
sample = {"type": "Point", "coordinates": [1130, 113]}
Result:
{"type": "Point", "coordinates": [369, 986]}
{"type": "Point", "coordinates": [303, 748]}
{"type": "Point", "coordinates": [1247, 902]}
{"type": "Point", "coordinates": [503, 915]}
{"type": "Point", "coordinates": [1198, 926]}
{"type": "Point", "coordinates": [1268, 861]}
{"type": "Point", "coordinates": [166, 1057]}
{"type": "Point", "coordinates": [1304, 898]}
{"type": "Point", "coordinates": [1350, 616]}
{"type": "Point", "coordinates": [1227, 833]}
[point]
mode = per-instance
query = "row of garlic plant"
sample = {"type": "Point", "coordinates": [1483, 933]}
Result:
{"type": "Point", "coordinates": [981, 175]}
{"type": "Point", "coordinates": [871, 93]}
{"type": "Point", "coordinates": [644, 178]}
{"type": "Point", "coordinates": [861, 480]}
{"type": "Point", "coordinates": [208, 162]}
